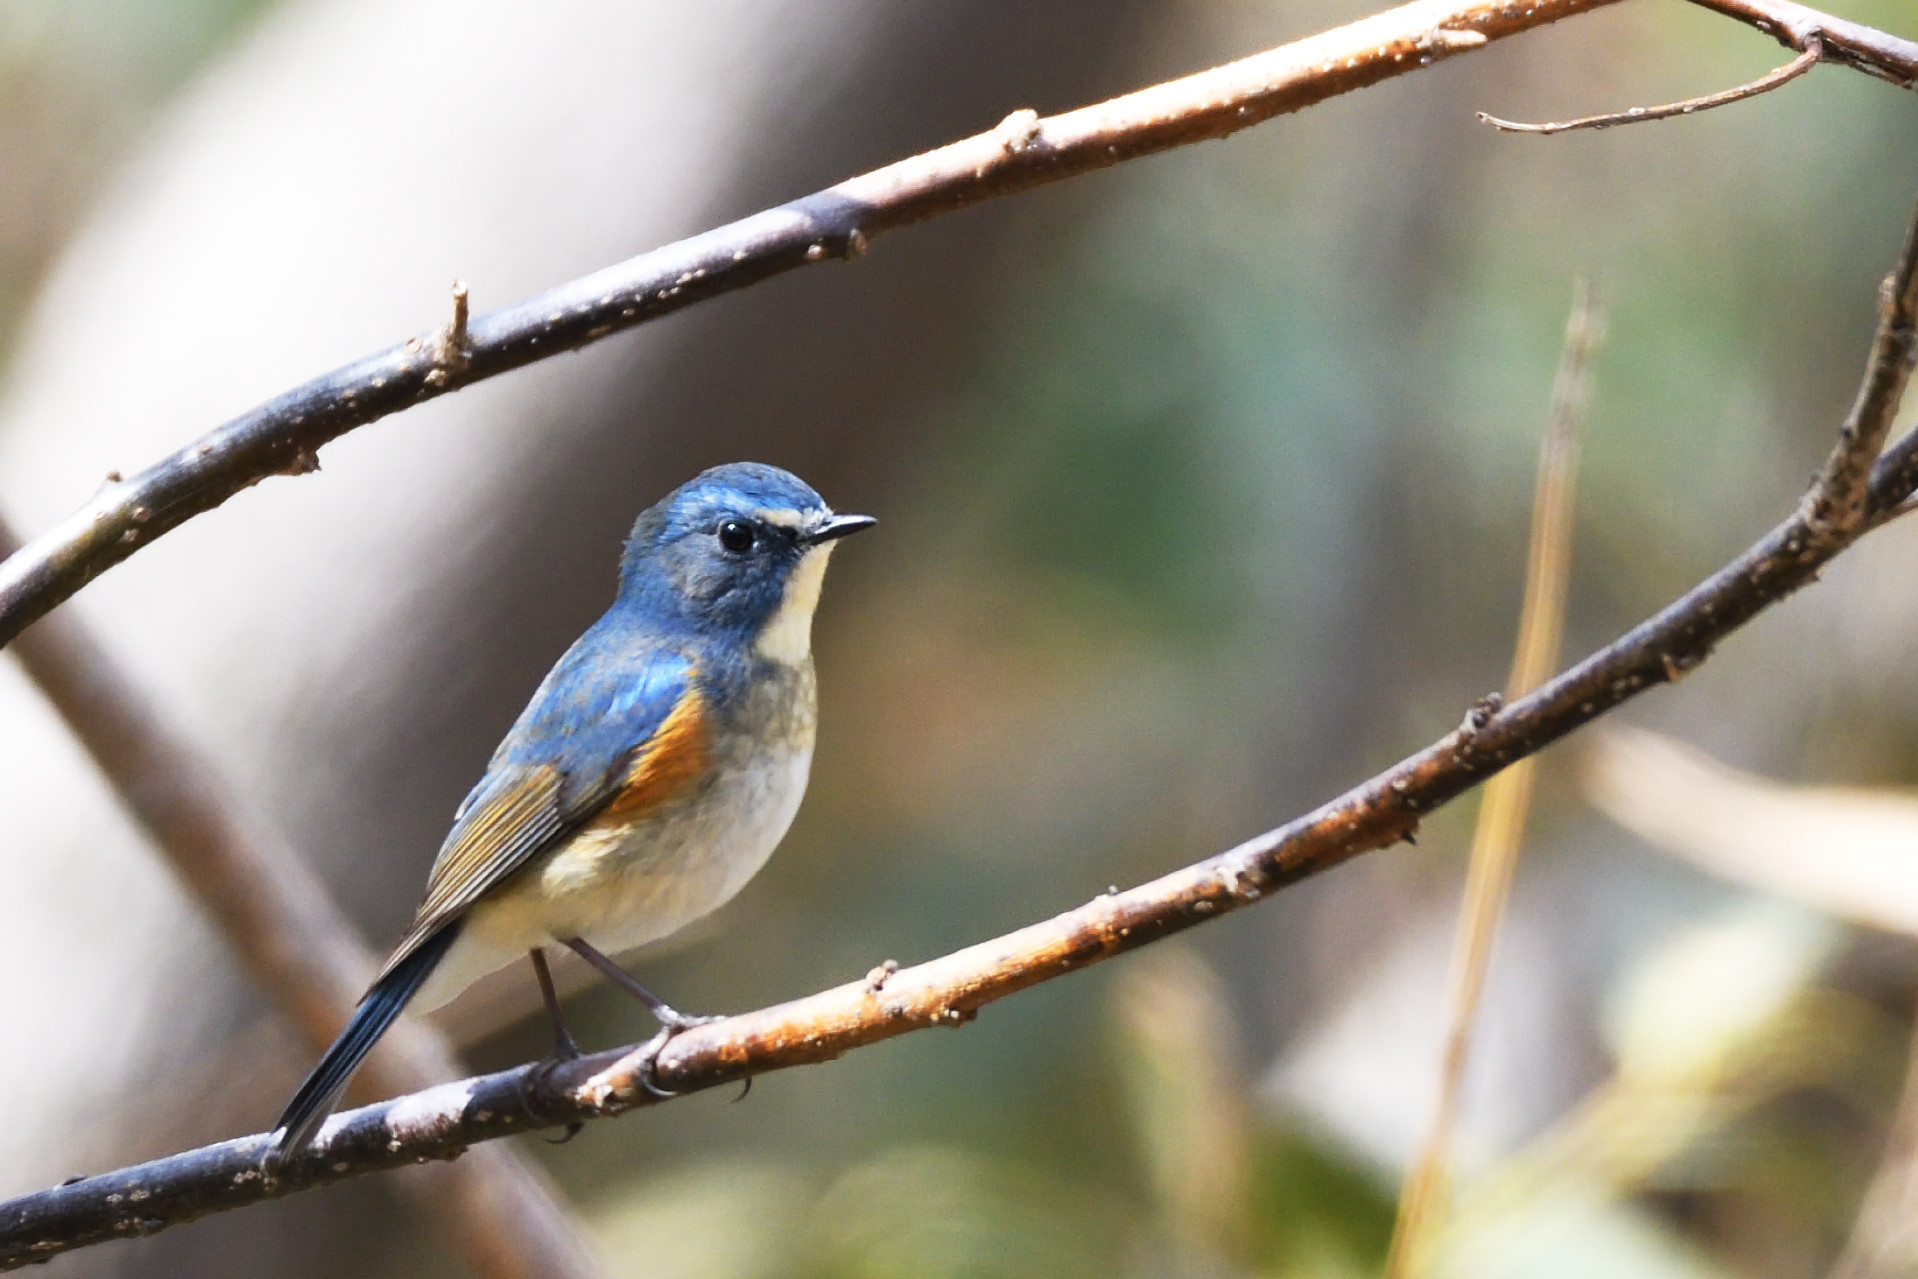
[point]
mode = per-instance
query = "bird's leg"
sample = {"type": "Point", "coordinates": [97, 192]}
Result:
{"type": "Point", "coordinates": [664, 1013]}
{"type": "Point", "coordinates": [671, 1020]}
{"type": "Point", "coordinates": [565, 1047]}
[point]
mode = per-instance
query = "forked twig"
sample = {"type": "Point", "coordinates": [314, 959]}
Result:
{"type": "Point", "coordinates": [1814, 50]}
{"type": "Point", "coordinates": [1875, 53]}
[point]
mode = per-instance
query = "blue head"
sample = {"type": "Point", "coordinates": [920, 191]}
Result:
{"type": "Point", "coordinates": [739, 550]}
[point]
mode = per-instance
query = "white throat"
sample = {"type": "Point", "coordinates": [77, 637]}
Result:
{"type": "Point", "coordinates": [787, 638]}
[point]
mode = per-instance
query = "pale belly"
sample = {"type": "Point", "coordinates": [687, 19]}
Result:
{"type": "Point", "coordinates": [619, 890]}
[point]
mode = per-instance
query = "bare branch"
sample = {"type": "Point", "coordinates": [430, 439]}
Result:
{"type": "Point", "coordinates": [1690, 106]}
{"type": "Point", "coordinates": [284, 435]}
{"type": "Point", "coordinates": [1904, 508]}
{"type": "Point", "coordinates": [441, 1123]}
{"type": "Point", "coordinates": [1888, 486]}
{"type": "Point", "coordinates": [500, 1213]}
{"type": "Point", "coordinates": [1859, 47]}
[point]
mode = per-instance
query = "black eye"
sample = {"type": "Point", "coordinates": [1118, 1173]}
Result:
{"type": "Point", "coordinates": [736, 536]}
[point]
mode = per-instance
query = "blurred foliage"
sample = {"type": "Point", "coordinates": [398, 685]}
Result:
{"type": "Point", "coordinates": [1204, 1185]}
{"type": "Point", "coordinates": [1726, 1046]}
{"type": "Point", "coordinates": [79, 79]}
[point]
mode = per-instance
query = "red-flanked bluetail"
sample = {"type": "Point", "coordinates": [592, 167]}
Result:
{"type": "Point", "coordinates": [649, 778]}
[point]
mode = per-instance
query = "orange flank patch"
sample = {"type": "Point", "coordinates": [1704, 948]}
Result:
{"type": "Point", "coordinates": [675, 760]}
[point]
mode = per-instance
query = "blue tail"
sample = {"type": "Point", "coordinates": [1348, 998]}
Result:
{"type": "Point", "coordinates": [378, 1007]}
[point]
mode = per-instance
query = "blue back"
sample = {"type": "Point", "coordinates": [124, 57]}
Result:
{"type": "Point", "coordinates": [686, 610]}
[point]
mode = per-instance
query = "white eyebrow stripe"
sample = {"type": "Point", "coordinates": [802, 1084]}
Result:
{"type": "Point", "coordinates": [784, 519]}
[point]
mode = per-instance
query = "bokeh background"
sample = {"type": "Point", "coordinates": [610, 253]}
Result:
{"type": "Point", "coordinates": [1204, 486]}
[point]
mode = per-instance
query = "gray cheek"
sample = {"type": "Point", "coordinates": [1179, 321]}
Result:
{"type": "Point", "coordinates": [700, 579]}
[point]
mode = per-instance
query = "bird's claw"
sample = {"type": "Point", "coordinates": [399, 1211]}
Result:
{"type": "Point", "coordinates": [674, 1020]}
{"type": "Point", "coordinates": [671, 1022]}
{"type": "Point", "coordinates": [649, 1056]}
{"type": "Point", "coordinates": [565, 1050]}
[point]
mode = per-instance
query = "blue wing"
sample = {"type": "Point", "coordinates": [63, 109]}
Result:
{"type": "Point", "coordinates": [613, 725]}
{"type": "Point", "coordinates": [605, 699]}
{"type": "Point", "coordinates": [617, 726]}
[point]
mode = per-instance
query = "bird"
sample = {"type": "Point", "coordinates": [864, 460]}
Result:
{"type": "Point", "coordinates": [652, 774]}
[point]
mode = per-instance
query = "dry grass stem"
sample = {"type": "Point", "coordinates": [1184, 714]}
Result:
{"type": "Point", "coordinates": [1508, 797]}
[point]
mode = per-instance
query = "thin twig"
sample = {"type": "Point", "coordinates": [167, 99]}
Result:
{"type": "Point", "coordinates": [1508, 797]}
{"type": "Point", "coordinates": [1898, 512]}
{"type": "Point", "coordinates": [1861, 48]}
{"type": "Point", "coordinates": [284, 435]}
{"type": "Point", "coordinates": [1874, 481]}
{"type": "Point", "coordinates": [443, 1122]}
{"type": "Point", "coordinates": [501, 1213]}
{"type": "Point", "coordinates": [1690, 106]}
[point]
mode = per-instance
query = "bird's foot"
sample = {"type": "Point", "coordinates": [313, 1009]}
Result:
{"type": "Point", "coordinates": [671, 1022]}
{"type": "Point", "coordinates": [565, 1051]}
{"type": "Point", "coordinates": [572, 1130]}
{"type": "Point", "coordinates": [676, 1021]}
{"type": "Point", "coordinates": [565, 1047]}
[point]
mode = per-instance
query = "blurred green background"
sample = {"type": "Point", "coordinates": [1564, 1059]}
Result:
{"type": "Point", "coordinates": [1205, 499]}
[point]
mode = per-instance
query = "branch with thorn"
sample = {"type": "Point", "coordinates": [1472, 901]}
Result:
{"type": "Point", "coordinates": [449, 343]}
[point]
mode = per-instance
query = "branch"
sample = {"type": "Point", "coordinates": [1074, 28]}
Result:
{"type": "Point", "coordinates": [441, 1123]}
{"type": "Point", "coordinates": [1776, 78]}
{"type": "Point", "coordinates": [284, 435]}
{"type": "Point", "coordinates": [500, 1213]}
{"type": "Point", "coordinates": [1859, 47]}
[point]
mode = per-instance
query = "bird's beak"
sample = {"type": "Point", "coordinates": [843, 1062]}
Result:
{"type": "Point", "coordinates": [838, 526]}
